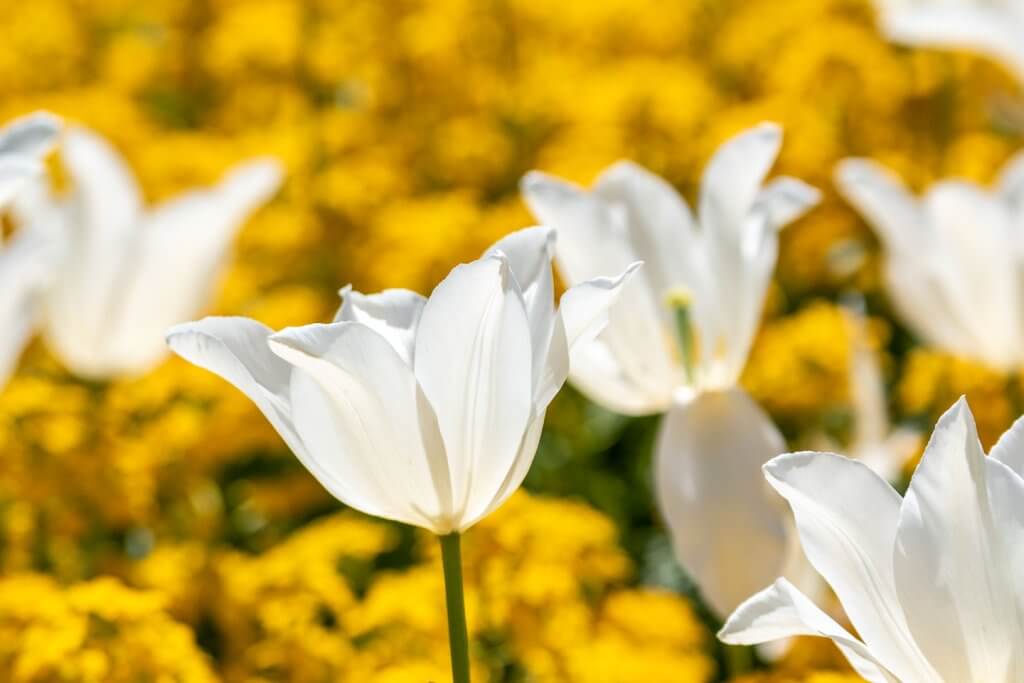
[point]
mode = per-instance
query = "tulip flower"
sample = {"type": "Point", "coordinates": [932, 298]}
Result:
{"type": "Point", "coordinates": [127, 272]}
{"type": "Point", "coordinates": [933, 582]}
{"type": "Point", "coordinates": [678, 339]}
{"type": "Point", "coordinates": [994, 28]}
{"type": "Point", "coordinates": [952, 257]}
{"type": "Point", "coordinates": [25, 263]}
{"type": "Point", "coordinates": [423, 411]}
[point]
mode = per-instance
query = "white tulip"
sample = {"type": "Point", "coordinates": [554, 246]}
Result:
{"type": "Point", "coordinates": [127, 272]}
{"type": "Point", "coordinates": [994, 28]}
{"type": "Point", "coordinates": [679, 336]}
{"type": "Point", "coordinates": [26, 262]}
{"type": "Point", "coordinates": [933, 582]}
{"type": "Point", "coordinates": [424, 411]}
{"type": "Point", "coordinates": [954, 258]}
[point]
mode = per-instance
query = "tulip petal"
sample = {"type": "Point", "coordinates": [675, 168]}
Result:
{"type": "Point", "coordinates": [846, 516]}
{"type": "Point", "coordinates": [393, 313]}
{"type": "Point", "coordinates": [732, 179]}
{"type": "Point", "coordinates": [883, 200]}
{"type": "Point", "coordinates": [727, 530]}
{"type": "Point", "coordinates": [917, 286]}
{"type": "Point", "coordinates": [662, 230]}
{"type": "Point", "coordinates": [529, 254]}
{"type": "Point", "coordinates": [105, 189]}
{"type": "Point", "coordinates": [980, 27]}
{"type": "Point", "coordinates": [582, 315]}
{"type": "Point", "coordinates": [474, 362]}
{"type": "Point", "coordinates": [365, 420]}
{"type": "Point", "coordinates": [741, 249]}
{"type": "Point", "coordinates": [27, 265]}
{"type": "Point", "coordinates": [236, 350]}
{"type": "Point", "coordinates": [1011, 181]}
{"type": "Point", "coordinates": [1009, 450]}
{"type": "Point", "coordinates": [170, 274]}
{"type": "Point", "coordinates": [1006, 493]}
{"type": "Point", "coordinates": [975, 269]}
{"type": "Point", "coordinates": [781, 611]}
{"type": "Point", "coordinates": [516, 474]}
{"type": "Point", "coordinates": [785, 199]}
{"type": "Point", "coordinates": [594, 241]}
{"type": "Point", "coordinates": [15, 172]}
{"type": "Point", "coordinates": [951, 584]}
{"type": "Point", "coordinates": [33, 135]}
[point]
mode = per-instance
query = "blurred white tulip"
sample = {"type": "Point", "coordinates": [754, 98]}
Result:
{"type": "Point", "coordinates": [678, 339]}
{"type": "Point", "coordinates": [26, 263]}
{"type": "Point", "coordinates": [994, 28]}
{"type": "Point", "coordinates": [953, 258]}
{"type": "Point", "coordinates": [127, 272]}
{"type": "Point", "coordinates": [933, 582]}
{"type": "Point", "coordinates": [424, 411]}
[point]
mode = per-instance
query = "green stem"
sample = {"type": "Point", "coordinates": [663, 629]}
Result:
{"type": "Point", "coordinates": [739, 659]}
{"type": "Point", "coordinates": [458, 635]}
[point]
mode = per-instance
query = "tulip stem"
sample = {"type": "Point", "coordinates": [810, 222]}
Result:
{"type": "Point", "coordinates": [739, 659]}
{"type": "Point", "coordinates": [458, 635]}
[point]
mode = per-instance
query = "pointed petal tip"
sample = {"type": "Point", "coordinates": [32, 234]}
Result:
{"type": "Point", "coordinates": [259, 177]}
{"type": "Point", "coordinates": [781, 465]}
{"type": "Point", "coordinates": [544, 185]}
{"type": "Point", "coordinates": [857, 170]}
{"type": "Point", "coordinates": [769, 129]}
{"type": "Point", "coordinates": [33, 134]}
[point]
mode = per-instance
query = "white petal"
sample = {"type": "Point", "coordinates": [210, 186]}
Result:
{"type": "Point", "coordinates": [582, 315]}
{"type": "Point", "coordinates": [846, 516]}
{"type": "Point", "coordinates": [781, 611]}
{"type": "Point", "coordinates": [950, 582]}
{"type": "Point", "coordinates": [883, 200]}
{"type": "Point", "coordinates": [741, 249]}
{"type": "Point", "coordinates": [595, 371]}
{"type": "Point", "coordinates": [31, 136]}
{"type": "Point", "coordinates": [529, 254]}
{"type": "Point", "coordinates": [922, 291]}
{"type": "Point", "coordinates": [520, 468]}
{"type": "Point", "coordinates": [369, 424]}
{"type": "Point", "coordinates": [784, 200]}
{"type": "Point", "coordinates": [473, 360]}
{"type": "Point", "coordinates": [594, 240]}
{"type": "Point", "coordinates": [1009, 450]}
{"type": "Point", "coordinates": [727, 531]}
{"type": "Point", "coordinates": [732, 180]}
{"type": "Point", "coordinates": [236, 349]}
{"type": "Point", "coordinates": [977, 26]}
{"type": "Point", "coordinates": [584, 307]}
{"type": "Point", "coordinates": [105, 189]}
{"type": "Point", "coordinates": [169, 274]}
{"type": "Point", "coordinates": [27, 266]}
{"type": "Point", "coordinates": [393, 313]}
{"type": "Point", "coordinates": [661, 228]}
{"type": "Point", "coordinates": [1011, 181]}
{"type": "Point", "coordinates": [15, 172]}
{"type": "Point", "coordinates": [1006, 494]}
{"type": "Point", "coordinates": [977, 269]}
{"type": "Point", "coordinates": [101, 226]}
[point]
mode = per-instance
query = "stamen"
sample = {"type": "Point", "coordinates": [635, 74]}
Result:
{"type": "Point", "coordinates": [679, 300]}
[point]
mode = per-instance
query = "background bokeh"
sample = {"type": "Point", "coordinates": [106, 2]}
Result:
{"type": "Point", "coordinates": [156, 529]}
